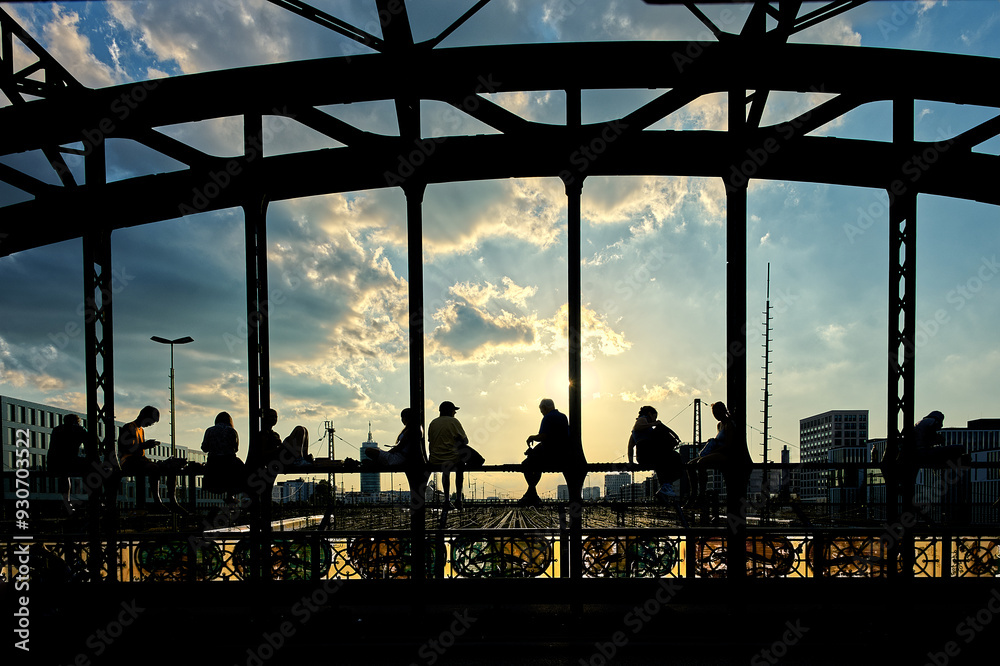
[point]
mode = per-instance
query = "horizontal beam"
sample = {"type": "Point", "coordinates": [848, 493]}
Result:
{"type": "Point", "coordinates": [219, 183]}
{"type": "Point", "coordinates": [449, 74]}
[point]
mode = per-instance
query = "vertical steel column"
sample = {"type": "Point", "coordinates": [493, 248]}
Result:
{"type": "Point", "coordinates": [736, 333]}
{"type": "Point", "coordinates": [902, 324]}
{"type": "Point", "coordinates": [99, 352]}
{"type": "Point", "coordinates": [258, 344]}
{"type": "Point", "coordinates": [574, 194]}
{"type": "Point", "coordinates": [415, 275]}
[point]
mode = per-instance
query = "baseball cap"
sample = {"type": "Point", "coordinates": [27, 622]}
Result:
{"type": "Point", "coordinates": [447, 405]}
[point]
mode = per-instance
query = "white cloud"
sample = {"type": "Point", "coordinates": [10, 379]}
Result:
{"type": "Point", "coordinates": [65, 42]}
{"type": "Point", "coordinates": [658, 393]}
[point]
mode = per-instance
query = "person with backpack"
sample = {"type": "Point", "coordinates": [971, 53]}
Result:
{"type": "Point", "coordinates": [653, 445]}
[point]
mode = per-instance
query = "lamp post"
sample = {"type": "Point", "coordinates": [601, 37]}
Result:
{"type": "Point", "coordinates": [178, 341]}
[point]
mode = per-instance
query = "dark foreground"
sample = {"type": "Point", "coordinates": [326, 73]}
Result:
{"type": "Point", "coordinates": [536, 622]}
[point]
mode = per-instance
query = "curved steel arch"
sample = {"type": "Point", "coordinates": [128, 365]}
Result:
{"type": "Point", "coordinates": [76, 115]}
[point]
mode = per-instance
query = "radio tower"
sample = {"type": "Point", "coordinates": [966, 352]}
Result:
{"type": "Point", "coordinates": [331, 477]}
{"type": "Point", "coordinates": [766, 479]}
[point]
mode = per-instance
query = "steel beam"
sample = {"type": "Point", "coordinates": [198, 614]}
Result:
{"type": "Point", "coordinates": [100, 381]}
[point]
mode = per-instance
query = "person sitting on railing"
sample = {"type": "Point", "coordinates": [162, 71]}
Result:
{"type": "Point", "coordinates": [923, 445]}
{"type": "Point", "coordinates": [263, 465]}
{"type": "Point", "coordinates": [408, 454]}
{"type": "Point", "coordinates": [223, 470]}
{"type": "Point", "coordinates": [926, 445]}
{"type": "Point", "coordinates": [653, 445]}
{"type": "Point", "coordinates": [445, 436]}
{"type": "Point", "coordinates": [297, 446]}
{"type": "Point", "coordinates": [727, 452]}
{"type": "Point", "coordinates": [64, 456]}
{"type": "Point", "coordinates": [551, 451]}
{"type": "Point", "coordinates": [132, 445]}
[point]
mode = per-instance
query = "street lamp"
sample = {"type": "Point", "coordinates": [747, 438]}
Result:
{"type": "Point", "coordinates": [178, 341]}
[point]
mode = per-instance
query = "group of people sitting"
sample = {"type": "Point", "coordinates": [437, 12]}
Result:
{"type": "Point", "coordinates": [651, 443]}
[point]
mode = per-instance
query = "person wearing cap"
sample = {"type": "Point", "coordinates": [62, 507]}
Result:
{"type": "Point", "coordinates": [444, 437]}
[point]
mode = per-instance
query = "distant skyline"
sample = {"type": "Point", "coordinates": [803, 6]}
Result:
{"type": "Point", "coordinates": [654, 252]}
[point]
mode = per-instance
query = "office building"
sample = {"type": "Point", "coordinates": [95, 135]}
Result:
{"type": "Point", "coordinates": [613, 483]}
{"type": "Point", "coordinates": [36, 421]}
{"type": "Point", "coordinates": [371, 482]}
{"type": "Point", "coordinates": [818, 435]}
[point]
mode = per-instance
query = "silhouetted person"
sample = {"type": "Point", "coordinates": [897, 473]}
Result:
{"type": "Point", "coordinates": [223, 470]}
{"type": "Point", "coordinates": [551, 452]}
{"type": "Point", "coordinates": [726, 452]}
{"type": "Point", "coordinates": [262, 464]}
{"type": "Point", "coordinates": [407, 454]}
{"type": "Point", "coordinates": [444, 437]}
{"type": "Point", "coordinates": [924, 446]}
{"type": "Point", "coordinates": [132, 445]}
{"type": "Point", "coordinates": [297, 446]}
{"type": "Point", "coordinates": [64, 456]}
{"type": "Point", "coordinates": [653, 445]}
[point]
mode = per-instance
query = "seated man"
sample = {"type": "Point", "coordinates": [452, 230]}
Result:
{"type": "Point", "coordinates": [132, 445]}
{"type": "Point", "coordinates": [550, 453]}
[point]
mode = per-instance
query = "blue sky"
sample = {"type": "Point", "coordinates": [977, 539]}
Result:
{"type": "Point", "coordinates": [495, 266]}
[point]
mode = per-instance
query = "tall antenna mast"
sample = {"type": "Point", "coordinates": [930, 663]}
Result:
{"type": "Point", "coordinates": [767, 360]}
{"type": "Point", "coordinates": [697, 424]}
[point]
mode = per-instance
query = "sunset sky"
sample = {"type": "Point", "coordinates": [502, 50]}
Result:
{"type": "Point", "coordinates": [654, 251]}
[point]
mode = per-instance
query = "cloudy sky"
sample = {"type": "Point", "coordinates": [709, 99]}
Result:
{"type": "Point", "coordinates": [495, 252]}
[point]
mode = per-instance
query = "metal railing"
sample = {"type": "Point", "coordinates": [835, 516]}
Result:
{"type": "Point", "coordinates": [952, 537]}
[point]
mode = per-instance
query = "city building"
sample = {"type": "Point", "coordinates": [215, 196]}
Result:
{"type": "Point", "coordinates": [613, 483]}
{"type": "Point", "coordinates": [294, 490]}
{"type": "Point", "coordinates": [977, 489]}
{"type": "Point", "coordinates": [371, 482]}
{"type": "Point", "coordinates": [819, 434]}
{"type": "Point", "coordinates": [591, 493]}
{"type": "Point", "coordinates": [38, 420]}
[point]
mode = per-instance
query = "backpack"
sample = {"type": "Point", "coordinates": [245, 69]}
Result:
{"type": "Point", "coordinates": [661, 435]}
